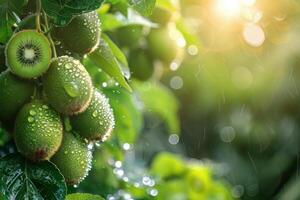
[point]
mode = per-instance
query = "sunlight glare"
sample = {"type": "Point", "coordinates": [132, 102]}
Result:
{"type": "Point", "coordinates": [254, 35]}
{"type": "Point", "coordinates": [249, 2]}
{"type": "Point", "coordinates": [227, 8]}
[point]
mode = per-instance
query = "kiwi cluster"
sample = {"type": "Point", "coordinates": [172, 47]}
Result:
{"type": "Point", "coordinates": [48, 99]}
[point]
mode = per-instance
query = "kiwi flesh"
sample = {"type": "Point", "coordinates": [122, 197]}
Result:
{"type": "Point", "coordinates": [14, 93]}
{"type": "Point", "coordinates": [38, 131]}
{"type": "Point", "coordinates": [28, 54]}
{"type": "Point", "coordinates": [73, 159]}
{"type": "Point", "coordinates": [141, 64]}
{"type": "Point", "coordinates": [2, 59]}
{"type": "Point", "coordinates": [68, 86]}
{"type": "Point", "coordinates": [97, 121]}
{"type": "Point", "coordinates": [82, 34]}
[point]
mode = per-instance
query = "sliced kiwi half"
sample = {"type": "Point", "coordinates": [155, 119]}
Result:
{"type": "Point", "coordinates": [28, 54]}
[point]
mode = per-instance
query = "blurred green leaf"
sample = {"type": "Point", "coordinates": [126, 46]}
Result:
{"type": "Point", "coordinates": [83, 196]}
{"type": "Point", "coordinates": [7, 18]}
{"type": "Point", "coordinates": [290, 191]}
{"type": "Point", "coordinates": [166, 165]}
{"type": "Point", "coordinates": [104, 58]}
{"type": "Point", "coordinates": [159, 100]}
{"type": "Point", "coordinates": [144, 7]}
{"type": "Point", "coordinates": [61, 12]}
{"type": "Point", "coordinates": [128, 118]}
{"type": "Point", "coordinates": [20, 179]}
{"type": "Point", "coordinates": [116, 50]}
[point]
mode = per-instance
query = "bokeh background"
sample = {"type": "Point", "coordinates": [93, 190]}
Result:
{"type": "Point", "coordinates": [229, 102]}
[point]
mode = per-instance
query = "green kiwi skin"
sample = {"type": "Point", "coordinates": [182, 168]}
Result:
{"type": "Point", "coordinates": [97, 121]}
{"type": "Point", "coordinates": [141, 64]}
{"type": "Point", "coordinates": [28, 71]}
{"type": "Point", "coordinates": [2, 59]}
{"type": "Point", "coordinates": [14, 93]}
{"type": "Point", "coordinates": [82, 34]}
{"type": "Point", "coordinates": [38, 131]}
{"type": "Point", "coordinates": [162, 46]}
{"type": "Point", "coordinates": [161, 16]}
{"type": "Point", "coordinates": [129, 36]}
{"type": "Point", "coordinates": [68, 86]}
{"type": "Point", "coordinates": [73, 159]}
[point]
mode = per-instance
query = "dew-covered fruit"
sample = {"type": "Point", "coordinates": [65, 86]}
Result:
{"type": "Point", "coordinates": [68, 86]}
{"type": "Point", "coordinates": [163, 44]}
{"type": "Point", "coordinates": [73, 159]}
{"type": "Point", "coordinates": [97, 122]}
{"type": "Point", "coordinates": [38, 131]}
{"type": "Point", "coordinates": [14, 93]}
{"type": "Point", "coordinates": [141, 64]}
{"type": "Point", "coordinates": [82, 34]}
{"type": "Point", "coordinates": [28, 54]}
{"type": "Point", "coordinates": [2, 59]}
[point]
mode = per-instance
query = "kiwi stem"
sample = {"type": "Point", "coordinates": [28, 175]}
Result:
{"type": "Point", "coordinates": [38, 17]}
{"type": "Point", "coordinates": [49, 35]}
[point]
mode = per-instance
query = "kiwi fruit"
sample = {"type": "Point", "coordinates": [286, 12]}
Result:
{"type": "Point", "coordinates": [68, 86]}
{"type": "Point", "coordinates": [14, 93]}
{"type": "Point", "coordinates": [129, 36]}
{"type": "Point", "coordinates": [82, 34]}
{"type": "Point", "coordinates": [38, 131]}
{"type": "Point", "coordinates": [161, 15]}
{"type": "Point", "coordinates": [28, 54]}
{"type": "Point", "coordinates": [97, 121]}
{"type": "Point", "coordinates": [141, 64]}
{"type": "Point", "coordinates": [73, 159]}
{"type": "Point", "coordinates": [2, 58]}
{"type": "Point", "coordinates": [162, 46]}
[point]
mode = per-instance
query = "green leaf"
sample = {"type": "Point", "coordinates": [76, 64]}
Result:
{"type": "Point", "coordinates": [7, 18]}
{"type": "Point", "coordinates": [104, 58]}
{"type": "Point", "coordinates": [21, 179]}
{"type": "Point", "coordinates": [160, 101]}
{"type": "Point", "coordinates": [62, 11]}
{"type": "Point", "coordinates": [144, 7]}
{"type": "Point", "coordinates": [127, 116]}
{"type": "Point", "coordinates": [111, 21]}
{"type": "Point", "coordinates": [83, 196]}
{"type": "Point", "coordinates": [166, 164]}
{"type": "Point", "coordinates": [116, 50]}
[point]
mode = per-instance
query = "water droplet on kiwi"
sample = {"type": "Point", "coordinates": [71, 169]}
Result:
{"type": "Point", "coordinates": [32, 112]}
{"type": "Point", "coordinates": [72, 89]}
{"type": "Point", "coordinates": [95, 113]}
{"type": "Point", "coordinates": [30, 119]}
